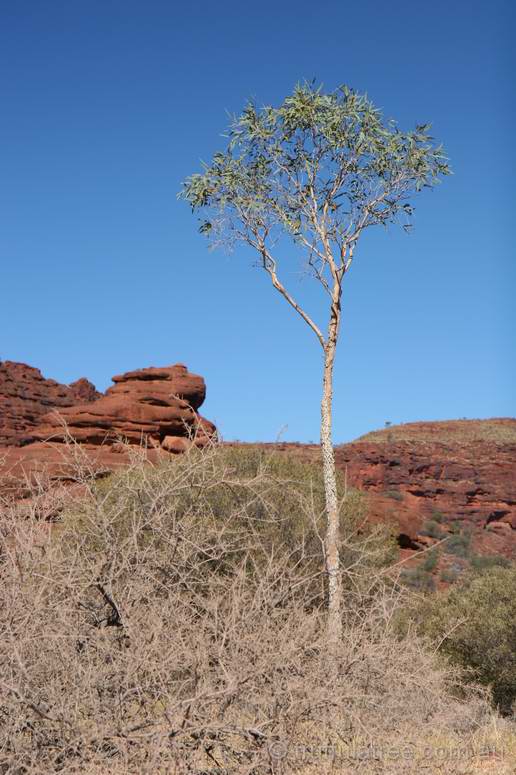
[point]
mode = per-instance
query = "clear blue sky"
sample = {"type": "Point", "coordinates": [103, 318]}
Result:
{"type": "Point", "coordinates": [106, 106]}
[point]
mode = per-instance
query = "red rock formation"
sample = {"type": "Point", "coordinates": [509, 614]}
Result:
{"type": "Point", "coordinates": [25, 396]}
{"type": "Point", "coordinates": [84, 391]}
{"type": "Point", "coordinates": [155, 408]}
{"type": "Point", "coordinates": [461, 472]}
{"type": "Point", "coordinates": [151, 407]}
{"type": "Point", "coordinates": [463, 469]}
{"type": "Point", "coordinates": [441, 482]}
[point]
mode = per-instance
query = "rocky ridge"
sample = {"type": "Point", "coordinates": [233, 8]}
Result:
{"type": "Point", "coordinates": [437, 479]}
{"type": "Point", "coordinates": [154, 407]}
{"type": "Point", "coordinates": [43, 422]}
{"type": "Point", "coordinates": [433, 481]}
{"type": "Point", "coordinates": [25, 396]}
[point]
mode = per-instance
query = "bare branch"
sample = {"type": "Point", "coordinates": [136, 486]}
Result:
{"type": "Point", "coordinates": [269, 264]}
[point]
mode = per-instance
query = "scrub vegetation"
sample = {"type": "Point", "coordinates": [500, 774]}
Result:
{"type": "Point", "coordinates": [172, 619]}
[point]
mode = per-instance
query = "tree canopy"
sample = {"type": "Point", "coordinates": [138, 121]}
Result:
{"type": "Point", "coordinates": [320, 168]}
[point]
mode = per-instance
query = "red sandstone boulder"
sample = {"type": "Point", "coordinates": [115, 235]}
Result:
{"type": "Point", "coordinates": [151, 384]}
{"type": "Point", "coordinates": [150, 407]}
{"type": "Point", "coordinates": [84, 391]}
{"type": "Point", "coordinates": [154, 408]}
{"type": "Point", "coordinates": [25, 396]}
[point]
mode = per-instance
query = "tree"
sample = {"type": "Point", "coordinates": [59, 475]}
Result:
{"type": "Point", "coordinates": [319, 169]}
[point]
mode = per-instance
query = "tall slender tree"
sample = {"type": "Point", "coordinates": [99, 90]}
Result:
{"type": "Point", "coordinates": [320, 169]}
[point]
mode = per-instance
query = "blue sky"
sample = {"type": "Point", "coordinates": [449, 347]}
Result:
{"type": "Point", "coordinates": [107, 106]}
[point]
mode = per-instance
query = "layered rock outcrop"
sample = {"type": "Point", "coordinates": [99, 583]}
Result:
{"type": "Point", "coordinates": [25, 396]}
{"type": "Point", "coordinates": [446, 485]}
{"type": "Point", "coordinates": [446, 478]}
{"type": "Point", "coordinates": [153, 407]}
{"type": "Point", "coordinates": [83, 391]}
{"type": "Point", "coordinates": [464, 470]}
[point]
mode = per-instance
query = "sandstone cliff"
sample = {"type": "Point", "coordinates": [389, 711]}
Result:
{"type": "Point", "coordinates": [154, 407]}
{"type": "Point", "coordinates": [460, 474]}
{"type": "Point", "coordinates": [25, 396]}
{"type": "Point", "coordinates": [42, 422]}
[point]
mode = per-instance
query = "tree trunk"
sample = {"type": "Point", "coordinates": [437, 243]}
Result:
{"type": "Point", "coordinates": [332, 558]}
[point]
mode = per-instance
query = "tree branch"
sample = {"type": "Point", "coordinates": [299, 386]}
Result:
{"type": "Point", "coordinates": [269, 264]}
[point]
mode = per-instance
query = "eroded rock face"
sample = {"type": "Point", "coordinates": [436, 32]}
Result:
{"type": "Point", "coordinates": [436, 480]}
{"type": "Point", "coordinates": [25, 396]}
{"type": "Point", "coordinates": [84, 391]}
{"type": "Point", "coordinates": [464, 470]}
{"type": "Point", "coordinates": [153, 407]}
{"type": "Point", "coordinates": [458, 475]}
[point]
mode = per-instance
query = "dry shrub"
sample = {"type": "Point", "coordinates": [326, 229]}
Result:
{"type": "Point", "coordinates": [172, 621]}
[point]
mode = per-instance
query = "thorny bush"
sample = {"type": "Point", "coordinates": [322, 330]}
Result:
{"type": "Point", "coordinates": [171, 620]}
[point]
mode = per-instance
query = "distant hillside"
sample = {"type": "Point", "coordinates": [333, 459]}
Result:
{"type": "Point", "coordinates": [448, 485]}
{"type": "Point", "coordinates": [500, 430]}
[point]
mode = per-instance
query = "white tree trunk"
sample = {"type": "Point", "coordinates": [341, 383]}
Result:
{"type": "Point", "coordinates": [330, 488]}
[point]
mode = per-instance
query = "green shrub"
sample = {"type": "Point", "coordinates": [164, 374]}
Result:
{"type": "Point", "coordinates": [418, 579]}
{"type": "Point", "coordinates": [431, 528]}
{"type": "Point", "coordinates": [475, 623]}
{"type": "Point", "coordinates": [482, 562]}
{"type": "Point", "coordinates": [242, 491]}
{"type": "Point", "coordinates": [449, 575]}
{"type": "Point", "coordinates": [458, 544]}
{"type": "Point", "coordinates": [431, 560]}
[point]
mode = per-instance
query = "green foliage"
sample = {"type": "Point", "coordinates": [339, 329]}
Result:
{"type": "Point", "coordinates": [431, 560]}
{"type": "Point", "coordinates": [475, 622]}
{"type": "Point", "coordinates": [431, 528]}
{"type": "Point", "coordinates": [320, 168]}
{"type": "Point", "coordinates": [450, 575]}
{"type": "Point", "coordinates": [418, 579]}
{"type": "Point", "coordinates": [458, 544]}
{"type": "Point", "coordinates": [437, 516]}
{"type": "Point", "coordinates": [482, 562]}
